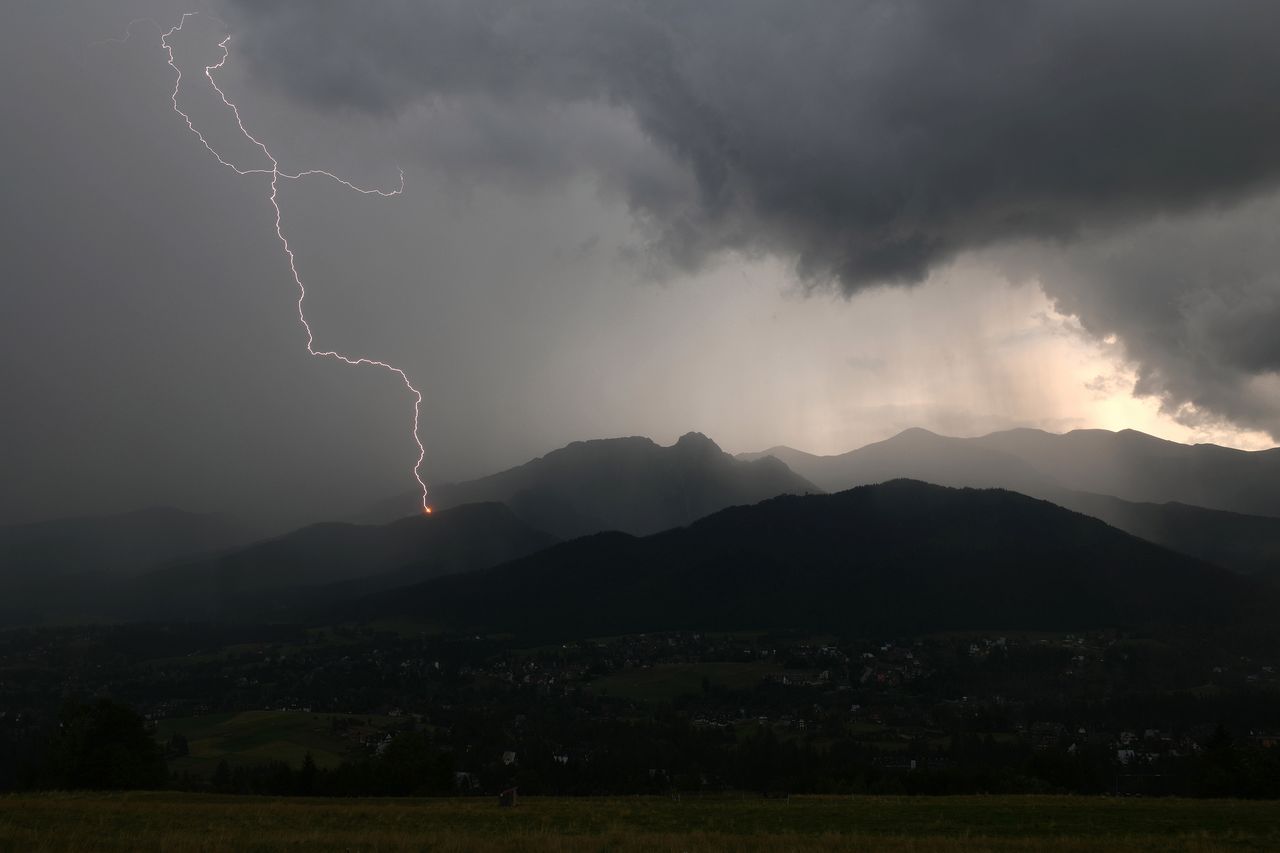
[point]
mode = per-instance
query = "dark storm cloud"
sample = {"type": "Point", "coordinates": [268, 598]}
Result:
{"type": "Point", "coordinates": [150, 353]}
{"type": "Point", "coordinates": [1195, 302]}
{"type": "Point", "coordinates": [873, 141]}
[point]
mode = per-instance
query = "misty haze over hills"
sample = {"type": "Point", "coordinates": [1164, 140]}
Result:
{"type": "Point", "coordinates": [121, 543]}
{"type": "Point", "coordinates": [630, 484]}
{"type": "Point", "coordinates": [165, 563]}
{"type": "Point", "coordinates": [318, 563]}
{"type": "Point", "coordinates": [1129, 465]}
{"type": "Point", "coordinates": [71, 559]}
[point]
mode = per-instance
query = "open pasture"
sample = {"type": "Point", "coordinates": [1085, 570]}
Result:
{"type": "Point", "coordinates": [185, 823]}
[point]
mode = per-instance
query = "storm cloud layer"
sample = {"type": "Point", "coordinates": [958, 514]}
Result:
{"type": "Point", "coordinates": [872, 142]}
{"type": "Point", "coordinates": [1195, 300]}
{"type": "Point", "coordinates": [863, 217]}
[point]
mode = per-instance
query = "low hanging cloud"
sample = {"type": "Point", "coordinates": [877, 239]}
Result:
{"type": "Point", "coordinates": [1122, 145]}
{"type": "Point", "coordinates": [1194, 301]}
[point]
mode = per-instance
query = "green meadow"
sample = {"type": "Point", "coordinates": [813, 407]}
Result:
{"type": "Point", "coordinates": [257, 737]}
{"type": "Point", "coordinates": [189, 822]}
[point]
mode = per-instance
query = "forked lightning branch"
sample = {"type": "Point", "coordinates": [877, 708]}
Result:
{"type": "Point", "coordinates": [276, 174]}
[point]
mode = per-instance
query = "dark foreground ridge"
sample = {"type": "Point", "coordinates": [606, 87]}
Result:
{"type": "Point", "coordinates": [902, 556]}
{"type": "Point", "coordinates": [65, 566]}
{"type": "Point", "coordinates": [1211, 502]}
{"type": "Point", "coordinates": [324, 563]}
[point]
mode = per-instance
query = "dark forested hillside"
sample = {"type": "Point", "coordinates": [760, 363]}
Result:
{"type": "Point", "coordinates": [903, 556]}
{"type": "Point", "coordinates": [1249, 544]}
{"type": "Point", "coordinates": [1155, 489]}
{"type": "Point", "coordinates": [327, 562]}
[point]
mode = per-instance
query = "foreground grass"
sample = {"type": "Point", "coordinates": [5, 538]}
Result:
{"type": "Point", "coordinates": [185, 823]}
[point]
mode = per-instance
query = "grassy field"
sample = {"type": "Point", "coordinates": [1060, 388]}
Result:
{"type": "Point", "coordinates": [183, 823]}
{"type": "Point", "coordinates": [255, 737]}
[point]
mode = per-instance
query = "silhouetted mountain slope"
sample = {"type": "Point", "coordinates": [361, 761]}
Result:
{"type": "Point", "coordinates": [63, 566]}
{"type": "Point", "coordinates": [1243, 543]}
{"type": "Point", "coordinates": [306, 566]}
{"type": "Point", "coordinates": [126, 543]}
{"type": "Point", "coordinates": [627, 484]}
{"type": "Point", "coordinates": [1139, 467]}
{"type": "Point", "coordinates": [898, 557]}
{"type": "Point", "coordinates": [1037, 464]}
{"type": "Point", "coordinates": [913, 454]}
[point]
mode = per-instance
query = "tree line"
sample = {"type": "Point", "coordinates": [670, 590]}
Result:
{"type": "Point", "coordinates": [107, 746]}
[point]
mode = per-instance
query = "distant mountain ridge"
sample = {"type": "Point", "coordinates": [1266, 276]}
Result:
{"type": "Point", "coordinates": [170, 564]}
{"type": "Point", "coordinates": [914, 454]}
{"type": "Point", "coordinates": [900, 557]}
{"type": "Point", "coordinates": [124, 542]}
{"type": "Point", "coordinates": [1142, 468]}
{"type": "Point", "coordinates": [1129, 465]}
{"type": "Point", "coordinates": [329, 561]}
{"type": "Point", "coordinates": [65, 565]}
{"type": "Point", "coordinates": [629, 484]}
{"type": "Point", "coordinates": [1074, 470]}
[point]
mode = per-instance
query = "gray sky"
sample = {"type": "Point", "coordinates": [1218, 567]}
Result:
{"type": "Point", "coordinates": [804, 223]}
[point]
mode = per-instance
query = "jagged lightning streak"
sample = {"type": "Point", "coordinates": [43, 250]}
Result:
{"type": "Point", "coordinates": [276, 175]}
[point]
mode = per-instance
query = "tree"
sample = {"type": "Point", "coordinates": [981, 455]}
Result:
{"type": "Point", "coordinates": [177, 746]}
{"type": "Point", "coordinates": [103, 745]}
{"type": "Point", "coordinates": [222, 777]}
{"type": "Point", "coordinates": [306, 782]}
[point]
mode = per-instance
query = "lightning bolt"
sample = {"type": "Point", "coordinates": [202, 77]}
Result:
{"type": "Point", "coordinates": [276, 176]}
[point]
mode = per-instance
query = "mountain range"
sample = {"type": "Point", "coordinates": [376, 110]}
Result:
{"type": "Point", "coordinates": [599, 499]}
{"type": "Point", "coordinates": [895, 558]}
{"type": "Point", "coordinates": [324, 563]}
{"type": "Point", "coordinates": [122, 543]}
{"type": "Point", "coordinates": [630, 484]}
{"type": "Point", "coordinates": [1212, 502]}
{"type": "Point", "coordinates": [58, 565]}
{"type": "Point", "coordinates": [1129, 465]}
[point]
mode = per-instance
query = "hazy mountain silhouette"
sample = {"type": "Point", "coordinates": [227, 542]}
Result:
{"type": "Point", "coordinates": [628, 484]}
{"type": "Point", "coordinates": [125, 543]}
{"type": "Point", "coordinates": [325, 562]}
{"type": "Point", "coordinates": [913, 454]}
{"type": "Point", "coordinates": [1162, 480]}
{"type": "Point", "coordinates": [1244, 543]}
{"type": "Point", "coordinates": [897, 557]}
{"type": "Point", "coordinates": [63, 565]}
{"type": "Point", "coordinates": [1140, 467]}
